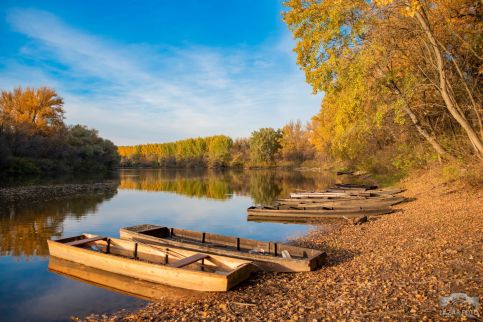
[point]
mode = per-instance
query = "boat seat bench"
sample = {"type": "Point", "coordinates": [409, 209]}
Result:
{"type": "Point", "coordinates": [85, 241]}
{"type": "Point", "coordinates": [188, 260]}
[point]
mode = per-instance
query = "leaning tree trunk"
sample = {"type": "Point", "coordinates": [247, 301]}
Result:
{"type": "Point", "coordinates": [431, 140]}
{"type": "Point", "coordinates": [444, 87]}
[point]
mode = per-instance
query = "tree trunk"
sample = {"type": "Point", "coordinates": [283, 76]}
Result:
{"type": "Point", "coordinates": [431, 140]}
{"type": "Point", "coordinates": [444, 87]}
{"type": "Point", "coordinates": [436, 146]}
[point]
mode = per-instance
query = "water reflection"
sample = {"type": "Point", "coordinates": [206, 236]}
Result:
{"type": "Point", "coordinates": [25, 228]}
{"type": "Point", "coordinates": [263, 186]}
{"type": "Point", "coordinates": [192, 183]}
{"type": "Point", "coordinates": [206, 200]}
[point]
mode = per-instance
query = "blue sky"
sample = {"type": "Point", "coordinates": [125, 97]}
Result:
{"type": "Point", "coordinates": [157, 71]}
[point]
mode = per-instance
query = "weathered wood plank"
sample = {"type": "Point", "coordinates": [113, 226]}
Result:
{"type": "Point", "coordinates": [85, 241]}
{"type": "Point", "coordinates": [188, 260]}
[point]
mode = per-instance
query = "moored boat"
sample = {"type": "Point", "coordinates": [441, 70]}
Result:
{"type": "Point", "coordinates": [340, 203]}
{"type": "Point", "coordinates": [331, 194]}
{"type": "Point", "coordinates": [355, 186]}
{"type": "Point", "coordinates": [316, 213]}
{"type": "Point", "coordinates": [334, 193]}
{"type": "Point", "coordinates": [268, 256]}
{"type": "Point", "coordinates": [164, 265]}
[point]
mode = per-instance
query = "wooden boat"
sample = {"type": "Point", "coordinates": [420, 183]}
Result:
{"type": "Point", "coordinates": [268, 256]}
{"type": "Point", "coordinates": [118, 283]}
{"type": "Point", "coordinates": [318, 213]}
{"type": "Point", "coordinates": [331, 194]}
{"type": "Point", "coordinates": [169, 266]}
{"type": "Point", "coordinates": [294, 220]}
{"type": "Point", "coordinates": [312, 200]}
{"type": "Point", "coordinates": [343, 193]}
{"type": "Point", "coordinates": [304, 207]}
{"type": "Point", "coordinates": [337, 203]}
{"type": "Point", "coordinates": [355, 186]}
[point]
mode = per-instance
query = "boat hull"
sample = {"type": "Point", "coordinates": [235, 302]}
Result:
{"type": "Point", "coordinates": [119, 283]}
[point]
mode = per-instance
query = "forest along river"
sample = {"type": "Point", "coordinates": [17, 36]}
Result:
{"type": "Point", "coordinates": [198, 200]}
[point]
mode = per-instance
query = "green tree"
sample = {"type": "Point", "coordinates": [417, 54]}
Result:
{"type": "Point", "coordinates": [264, 145]}
{"type": "Point", "coordinates": [219, 150]}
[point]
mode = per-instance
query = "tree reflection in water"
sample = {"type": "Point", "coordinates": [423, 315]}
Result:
{"type": "Point", "coordinates": [264, 186]}
{"type": "Point", "coordinates": [25, 227]}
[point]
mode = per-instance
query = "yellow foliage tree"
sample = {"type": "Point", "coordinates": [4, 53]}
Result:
{"type": "Point", "coordinates": [35, 110]}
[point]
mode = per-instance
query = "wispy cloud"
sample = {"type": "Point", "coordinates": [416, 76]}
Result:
{"type": "Point", "coordinates": [137, 93]}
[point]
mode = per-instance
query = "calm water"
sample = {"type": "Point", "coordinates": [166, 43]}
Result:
{"type": "Point", "coordinates": [198, 200]}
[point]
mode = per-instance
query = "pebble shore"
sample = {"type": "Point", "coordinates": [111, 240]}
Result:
{"type": "Point", "coordinates": [37, 193]}
{"type": "Point", "coordinates": [397, 267]}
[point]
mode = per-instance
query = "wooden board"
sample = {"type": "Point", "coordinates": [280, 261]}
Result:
{"type": "Point", "coordinates": [303, 259]}
{"type": "Point", "coordinates": [149, 263]}
{"type": "Point", "coordinates": [85, 241]}
{"type": "Point", "coordinates": [188, 260]}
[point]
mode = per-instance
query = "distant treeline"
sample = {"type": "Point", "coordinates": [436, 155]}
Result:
{"type": "Point", "coordinates": [34, 138]}
{"type": "Point", "coordinates": [265, 147]}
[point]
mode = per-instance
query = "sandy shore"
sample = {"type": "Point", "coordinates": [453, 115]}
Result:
{"type": "Point", "coordinates": [397, 267]}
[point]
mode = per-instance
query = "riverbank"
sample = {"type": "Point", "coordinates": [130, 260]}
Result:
{"type": "Point", "coordinates": [395, 267]}
{"type": "Point", "coordinates": [35, 193]}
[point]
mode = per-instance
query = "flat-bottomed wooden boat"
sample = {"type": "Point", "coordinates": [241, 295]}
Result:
{"type": "Point", "coordinates": [355, 186]}
{"type": "Point", "coordinates": [349, 203]}
{"type": "Point", "coordinates": [164, 265]}
{"type": "Point", "coordinates": [268, 256]}
{"type": "Point", "coordinates": [346, 193]}
{"type": "Point", "coordinates": [267, 212]}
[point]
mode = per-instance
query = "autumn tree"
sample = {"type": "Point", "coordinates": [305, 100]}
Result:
{"type": "Point", "coordinates": [437, 45]}
{"type": "Point", "coordinates": [295, 145]}
{"type": "Point", "coordinates": [35, 139]}
{"type": "Point", "coordinates": [34, 110]}
{"type": "Point", "coordinates": [386, 64]}
{"type": "Point", "coordinates": [240, 152]}
{"type": "Point", "coordinates": [264, 145]}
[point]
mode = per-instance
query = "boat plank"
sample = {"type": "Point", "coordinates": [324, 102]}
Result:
{"type": "Point", "coordinates": [85, 241]}
{"type": "Point", "coordinates": [188, 260]}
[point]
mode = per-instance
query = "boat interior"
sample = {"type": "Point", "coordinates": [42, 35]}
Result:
{"type": "Point", "coordinates": [224, 242]}
{"type": "Point", "coordinates": [168, 256]}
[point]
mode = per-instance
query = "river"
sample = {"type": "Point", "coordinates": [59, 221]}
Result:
{"type": "Point", "coordinates": [211, 201]}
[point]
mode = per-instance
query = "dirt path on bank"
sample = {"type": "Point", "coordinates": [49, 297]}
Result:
{"type": "Point", "coordinates": [397, 267]}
